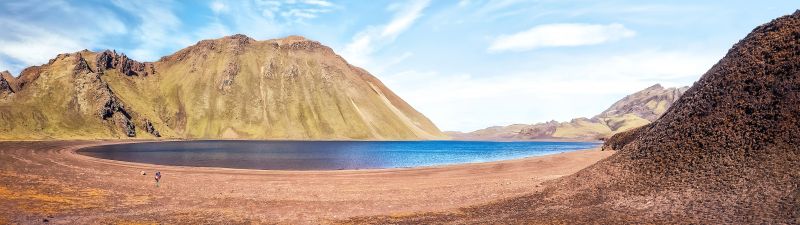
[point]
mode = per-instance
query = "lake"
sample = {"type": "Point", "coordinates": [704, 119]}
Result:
{"type": "Point", "coordinates": [326, 155]}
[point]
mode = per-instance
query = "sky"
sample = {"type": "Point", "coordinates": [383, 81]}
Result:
{"type": "Point", "coordinates": [465, 64]}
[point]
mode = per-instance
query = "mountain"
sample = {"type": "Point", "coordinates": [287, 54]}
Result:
{"type": "Point", "coordinates": [633, 111]}
{"type": "Point", "coordinates": [727, 152]}
{"type": "Point", "coordinates": [648, 104]}
{"type": "Point", "coordinates": [232, 87]}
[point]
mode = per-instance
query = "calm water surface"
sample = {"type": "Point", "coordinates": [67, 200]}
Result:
{"type": "Point", "coordinates": [326, 155]}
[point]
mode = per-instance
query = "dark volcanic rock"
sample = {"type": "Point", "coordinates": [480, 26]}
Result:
{"type": "Point", "coordinates": [112, 108]}
{"type": "Point", "coordinates": [96, 96]}
{"type": "Point", "coordinates": [148, 126]}
{"type": "Point", "coordinates": [733, 139]}
{"type": "Point", "coordinates": [620, 140]}
{"type": "Point", "coordinates": [740, 119]}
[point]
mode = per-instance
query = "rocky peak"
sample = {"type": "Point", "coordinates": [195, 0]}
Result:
{"type": "Point", "coordinates": [648, 104]}
{"type": "Point", "coordinates": [656, 86]}
{"type": "Point", "coordinates": [235, 44]}
{"type": "Point", "coordinates": [239, 38]}
{"type": "Point", "coordinates": [5, 85]}
{"type": "Point", "coordinates": [5, 74]}
{"type": "Point", "coordinates": [27, 76]}
{"type": "Point", "coordinates": [108, 60]}
{"type": "Point", "coordinates": [297, 42]}
{"type": "Point", "coordinates": [81, 66]}
{"type": "Point", "coordinates": [290, 39]}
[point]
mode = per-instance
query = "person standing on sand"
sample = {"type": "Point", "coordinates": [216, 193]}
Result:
{"type": "Point", "coordinates": [158, 177]}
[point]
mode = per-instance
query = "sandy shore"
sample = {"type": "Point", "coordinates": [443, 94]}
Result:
{"type": "Point", "coordinates": [48, 180]}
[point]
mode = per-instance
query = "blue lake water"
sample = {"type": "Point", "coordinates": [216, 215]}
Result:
{"type": "Point", "coordinates": [326, 155]}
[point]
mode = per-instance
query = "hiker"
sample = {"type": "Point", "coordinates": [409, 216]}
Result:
{"type": "Point", "coordinates": [158, 177]}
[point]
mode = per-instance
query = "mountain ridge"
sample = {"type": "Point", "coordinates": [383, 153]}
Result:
{"type": "Point", "coordinates": [230, 87]}
{"type": "Point", "coordinates": [632, 111]}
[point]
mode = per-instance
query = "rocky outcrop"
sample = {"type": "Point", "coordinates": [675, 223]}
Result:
{"type": "Point", "coordinates": [238, 42]}
{"type": "Point", "coordinates": [6, 84]}
{"type": "Point", "coordinates": [107, 60]}
{"type": "Point", "coordinates": [148, 126]}
{"type": "Point", "coordinates": [27, 76]}
{"type": "Point", "coordinates": [300, 43]}
{"type": "Point", "coordinates": [234, 44]}
{"type": "Point", "coordinates": [96, 97]}
{"type": "Point", "coordinates": [228, 74]}
{"type": "Point", "coordinates": [81, 66]}
{"type": "Point", "coordinates": [99, 98]}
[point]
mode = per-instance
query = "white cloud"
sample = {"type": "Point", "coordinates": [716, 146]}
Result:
{"type": "Point", "coordinates": [318, 3]}
{"type": "Point", "coordinates": [366, 42]}
{"type": "Point", "coordinates": [33, 33]}
{"type": "Point", "coordinates": [301, 14]}
{"type": "Point", "coordinates": [561, 35]}
{"type": "Point", "coordinates": [32, 44]}
{"type": "Point", "coordinates": [581, 87]}
{"type": "Point", "coordinates": [213, 30]}
{"type": "Point", "coordinates": [158, 29]}
{"type": "Point", "coordinates": [218, 7]}
{"type": "Point", "coordinates": [4, 67]}
{"type": "Point", "coordinates": [293, 11]}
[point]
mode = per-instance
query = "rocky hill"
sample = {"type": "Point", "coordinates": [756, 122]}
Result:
{"type": "Point", "coordinates": [727, 152]}
{"type": "Point", "coordinates": [232, 87]}
{"type": "Point", "coordinates": [633, 111]}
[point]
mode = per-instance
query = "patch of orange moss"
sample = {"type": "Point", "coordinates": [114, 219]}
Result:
{"type": "Point", "coordinates": [34, 201]}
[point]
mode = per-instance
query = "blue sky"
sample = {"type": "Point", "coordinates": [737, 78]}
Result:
{"type": "Point", "coordinates": [465, 64]}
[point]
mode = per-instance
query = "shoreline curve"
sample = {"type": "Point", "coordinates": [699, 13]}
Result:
{"type": "Point", "coordinates": [49, 179]}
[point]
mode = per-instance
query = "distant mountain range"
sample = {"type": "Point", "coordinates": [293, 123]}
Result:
{"type": "Point", "coordinates": [633, 111]}
{"type": "Point", "coordinates": [232, 87]}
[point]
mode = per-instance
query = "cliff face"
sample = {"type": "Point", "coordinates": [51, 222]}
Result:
{"type": "Point", "coordinates": [633, 111]}
{"type": "Point", "coordinates": [232, 87]}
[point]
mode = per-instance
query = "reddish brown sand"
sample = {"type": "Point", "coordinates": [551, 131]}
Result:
{"type": "Point", "coordinates": [48, 180]}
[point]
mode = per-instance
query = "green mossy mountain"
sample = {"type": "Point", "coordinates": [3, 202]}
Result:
{"type": "Point", "coordinates": [232, 87]}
